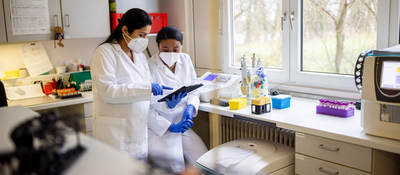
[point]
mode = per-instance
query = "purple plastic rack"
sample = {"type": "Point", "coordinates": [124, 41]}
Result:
{"type": "Point", "coordinates": [336, 112]}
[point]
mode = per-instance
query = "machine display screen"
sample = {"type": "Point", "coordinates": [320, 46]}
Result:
{"type": "Point", "coordinates": [390, 78]}
{"type": "Point", "coordinates": [211, 77]}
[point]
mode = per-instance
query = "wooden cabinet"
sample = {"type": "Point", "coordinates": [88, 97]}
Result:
{"type": "Point", "coordinates": [318, 155]}
{"type": "Point", "coordinates": [54, 18]}
{"type": "Point", "coordinates": [85, 18]}
{"type": "Point", "coordinates": [79, 18]}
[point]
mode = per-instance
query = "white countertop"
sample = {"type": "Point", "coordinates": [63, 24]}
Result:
{"type": "Point", "coordinates": [47, 102]}
{"type": "Point", "coordinates": [301, 117]}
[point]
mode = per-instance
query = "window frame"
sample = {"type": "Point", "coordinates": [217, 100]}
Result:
{"type": "Point", "coordinates": [291, 76]}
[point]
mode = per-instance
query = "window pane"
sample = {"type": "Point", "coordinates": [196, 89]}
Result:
{"type": "Point", "coordinates": [257, 29]}
{"type": "Point", "coordinates": [335, 32]}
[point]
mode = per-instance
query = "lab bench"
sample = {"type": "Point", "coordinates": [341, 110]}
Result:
{"type": "Point", "coordinates": [323, 144]}
{"type": "Point", "coordinates": [358, 152]}
{"type": "Point", "coordinates": [80, 106]}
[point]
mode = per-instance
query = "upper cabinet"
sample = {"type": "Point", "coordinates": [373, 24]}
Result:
{"type": "Point", "coordinates": [3, 37]}
{"type": "Point", "coordinates": [85, 18]}
{"type": "Point", "coordinates": [78, 18]}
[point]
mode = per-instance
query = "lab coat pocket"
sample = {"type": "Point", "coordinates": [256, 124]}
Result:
{"type": "Point", "coordinates": [111, 130]}
{"type": "Point", "coordinates": [123, 79]}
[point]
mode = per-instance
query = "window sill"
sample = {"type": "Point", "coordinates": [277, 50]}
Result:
{"type": "Point", "coordinates": [314, 92]}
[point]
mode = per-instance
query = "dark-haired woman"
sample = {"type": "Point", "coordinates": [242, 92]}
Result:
{"type": "Point", "coordinates": [171, 141]}
{"type": "Point", "coordinates": [122, 86]}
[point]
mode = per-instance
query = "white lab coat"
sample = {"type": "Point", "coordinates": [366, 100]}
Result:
{"type": "Point", "coordinates": [121, 99]}
{"type": "Point", "coordinates": [166, 149]}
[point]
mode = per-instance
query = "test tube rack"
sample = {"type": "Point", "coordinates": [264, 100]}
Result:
{"type": "Point", "coordinates": [336, 108]}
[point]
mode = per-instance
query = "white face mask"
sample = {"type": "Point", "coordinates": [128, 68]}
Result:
{"type": "Point", "coordinates": [169, 58]}
{"type": "Point", "coordinates": [137, 45]}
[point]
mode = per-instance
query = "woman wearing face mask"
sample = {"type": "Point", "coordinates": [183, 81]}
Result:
{"type": "Point", "coordinates": [171, 141]}
{"type": "Point", "coordinates": [122, 86]}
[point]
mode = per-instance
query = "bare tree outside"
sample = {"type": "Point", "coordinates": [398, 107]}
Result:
{"type": "Point", "coordinates": [334, 32]}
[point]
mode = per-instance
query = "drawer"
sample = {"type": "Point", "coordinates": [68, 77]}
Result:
{"type": "Point", "coordinates": [87, 108]}
{"type": "Point", "coordinates": [305, 165]}
{"type": "Point", "coordinates": [89, 124]}
{"type": "Point", "coordinates": [351, 155]}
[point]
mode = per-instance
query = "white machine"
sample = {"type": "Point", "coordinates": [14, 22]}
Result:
{"type": "Point", "coordinates": [381, 97]}
{"type": "Point", "coordinates": [219, 85]}
{"type": "Point", "coordinates": [250, 157]}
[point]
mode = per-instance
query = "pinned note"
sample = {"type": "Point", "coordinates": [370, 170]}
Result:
{"type": "Point", "coordinates": [30, 17]}
{"type": "Point", "coordinates": [36, 59]}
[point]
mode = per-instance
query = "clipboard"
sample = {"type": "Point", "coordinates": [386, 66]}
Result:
{"type": "Point", "coordinates": [186, 89]}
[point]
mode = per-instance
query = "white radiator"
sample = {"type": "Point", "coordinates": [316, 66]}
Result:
{"type": "Point", "coordinates": [232, 129]}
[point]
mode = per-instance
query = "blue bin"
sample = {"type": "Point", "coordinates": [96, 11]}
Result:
{"type": "Point", "coordinates": [281, 101]}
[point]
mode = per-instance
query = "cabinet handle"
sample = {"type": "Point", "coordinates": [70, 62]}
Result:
{"type": "Point", "coordinates": [291, 19]}
{"type": "Point", "coordinates": [56, 20]}
{"type": "Point", "coordinates": [328, 172]}
{"type": "Point", "coordinates": [67, 24]}
{"type": "Point", "coordinates": [322, 146]}
{"type": "Point", "coordinates": [283, 19]}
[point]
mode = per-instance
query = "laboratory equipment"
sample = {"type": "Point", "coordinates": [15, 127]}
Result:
{"type": "Point", "coordinates": [237, 103]}
{"type": "Point", "coordinates": [39, 147]}
{"type": "Point", "coordinates": [248, 156]}
{"type": "Point", "coordinates": [80, 77]}
{"type": "Point", "coordinates": [335, 107]}
{"type": "Point", "coordinates": [281, 101]}
{"type": "Point", "coordinates": [261, 105]}
{"type": "Point", "coordinates": [380, 105]}
{"type": "Point", "coordinates": [218, 85]}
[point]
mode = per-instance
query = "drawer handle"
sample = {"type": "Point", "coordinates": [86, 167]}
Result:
{"type": "Point", "coordinates": [322, 146]}
{"type": "Point", "coordinates": [328, 172]}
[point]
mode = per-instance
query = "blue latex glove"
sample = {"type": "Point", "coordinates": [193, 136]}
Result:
{"type": "Point", "coordinates": [260, 72]}
{"type": "Point", "coordinates": [189, 111]}
{"type": "Point", "coordinates": [186, 122]}
{"type": "Point", "coordinates": [181, 127]}
{"type": "Point", "coordinates": [157, 89]}
{"type": "Point", "coordinates": [171, 103]}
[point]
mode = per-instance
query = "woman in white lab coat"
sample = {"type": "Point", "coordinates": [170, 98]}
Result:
{"type": "Point", "coordinates": [171, 141]}
{"type": "Point", "coordinates": [122, 86]}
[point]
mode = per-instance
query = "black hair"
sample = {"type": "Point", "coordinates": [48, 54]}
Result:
{"type": "Point", "coordinates": [169, 32]}
{"type": "Point", "coordinates": [133, 19]}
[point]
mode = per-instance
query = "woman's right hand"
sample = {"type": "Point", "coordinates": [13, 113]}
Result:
{"type": "Point", "coordinates": [158, 89]}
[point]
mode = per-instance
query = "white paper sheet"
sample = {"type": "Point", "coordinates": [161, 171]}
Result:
{"type": "Point", "coordinates": [36, 59]}
{"type": "Point", "coordinates": [30, 17]}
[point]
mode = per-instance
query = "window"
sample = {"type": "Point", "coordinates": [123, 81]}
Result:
{"type": "Point", "coordinates": [335, 32]}
{"type": "Point", "coordinates": [257, 30]}
{"type": "Point", "coordinates": [310, 43]}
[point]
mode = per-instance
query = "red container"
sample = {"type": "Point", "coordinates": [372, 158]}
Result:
{"type": "Point", "coordinates": [160, 20]}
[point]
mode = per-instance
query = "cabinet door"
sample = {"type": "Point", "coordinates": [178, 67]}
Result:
{"type": "Point", "coordinates": [206, 34]}
{"type": "Point", "coordinates": [85, 18]}
{"type": "Point", "coordinates": [3, 37]}
{"type": "Point", "coordinates": [54, 19]}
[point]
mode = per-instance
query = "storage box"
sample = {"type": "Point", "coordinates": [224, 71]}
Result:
{"type": "Point", "coordinates": [160, 20]}
{"type": "Point", "coordinates": [80, 77]}
{"type": "Point", "coordinates": [237, 103]}
{"type": "Point", "coordinates": [281, 101]}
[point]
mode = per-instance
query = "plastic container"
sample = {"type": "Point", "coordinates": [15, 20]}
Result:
{"type": "Point", "coordinates": [160, 20]}
{"type": "Point", "coordinates": [237, 103]}
{"type": "Point", "coordinates": [281, 101]}
{"type": "Point", "coordinates": [80, 77]}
